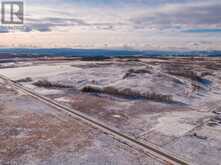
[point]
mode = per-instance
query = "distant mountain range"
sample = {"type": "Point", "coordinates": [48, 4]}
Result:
{"type": "Point", "coordinates": [24, 52]}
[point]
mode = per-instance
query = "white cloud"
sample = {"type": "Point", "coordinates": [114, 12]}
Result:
{"type": "Point", "coordinates": [159, 26]}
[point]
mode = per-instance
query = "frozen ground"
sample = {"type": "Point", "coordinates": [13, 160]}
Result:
{"type": "Point", "coordinates": [180, 114]}
{"type": "Point", "coordinates": [32, 133]}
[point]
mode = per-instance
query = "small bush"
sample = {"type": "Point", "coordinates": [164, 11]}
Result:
{"type": "Point", "coordinates": [90, 89]}
{"type": "Point", "coordinates": [27, 79]}
{"type": "Point", "coordinates": [132, 72]}
{"type": "Point", "coordinates": [111, 90]}
{"type": "Point", "coordinates": [47, 84]}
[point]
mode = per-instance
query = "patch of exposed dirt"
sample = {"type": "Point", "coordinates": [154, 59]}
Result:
{"type": "Point", "coordinates": [4, 90]}
{"type": "Point", "coordinates": [89, 104]}
{"type": "Point", "coordinates": [40, 135]}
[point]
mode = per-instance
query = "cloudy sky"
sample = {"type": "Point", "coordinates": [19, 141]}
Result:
{"type": "Point", "coordinates": [130, 24]}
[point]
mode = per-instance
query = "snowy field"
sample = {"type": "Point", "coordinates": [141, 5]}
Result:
{"type": "Point", "coordinates": [174, 103]}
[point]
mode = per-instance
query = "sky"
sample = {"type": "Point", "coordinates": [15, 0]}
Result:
{"type": "Point", "coordinates": [117, 24]}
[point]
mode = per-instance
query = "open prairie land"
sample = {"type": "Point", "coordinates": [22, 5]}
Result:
{"type": "Point", "coordinates": [172, 103]}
